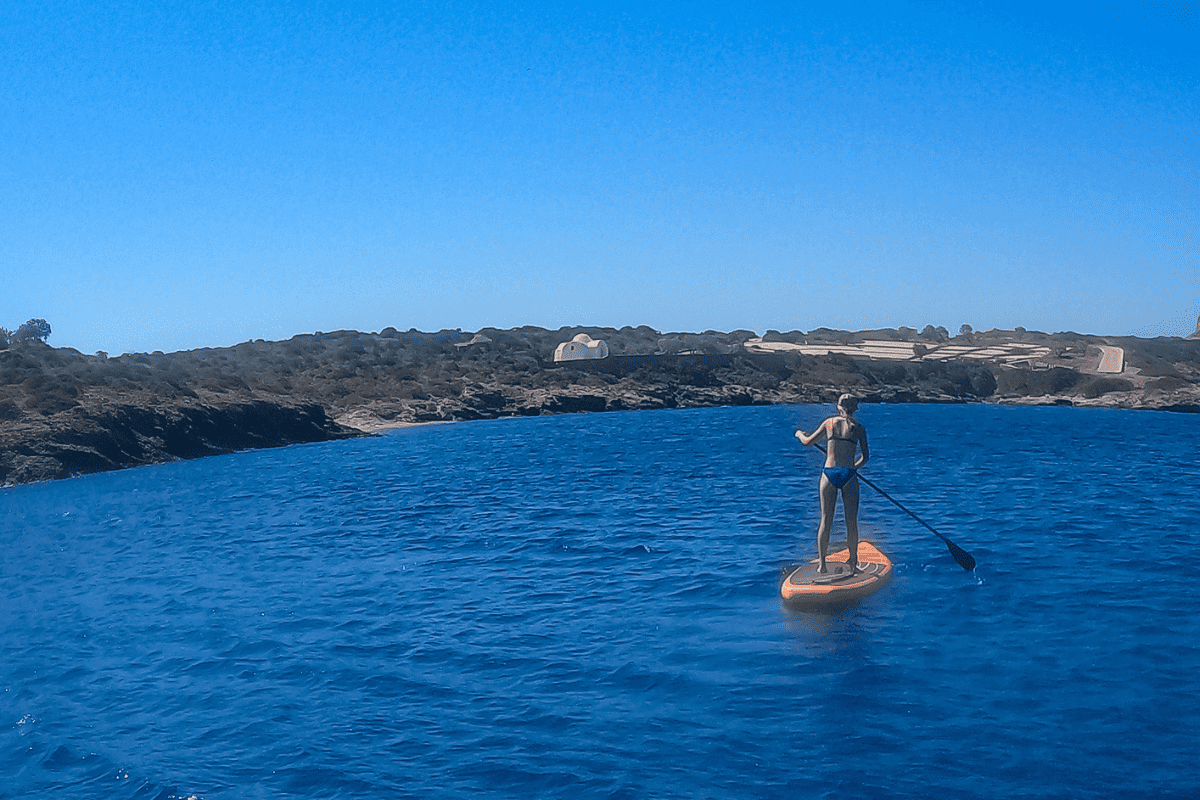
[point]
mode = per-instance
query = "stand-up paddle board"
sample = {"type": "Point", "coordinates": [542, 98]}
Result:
{"type": "Point", "coordinates": [804, 587]}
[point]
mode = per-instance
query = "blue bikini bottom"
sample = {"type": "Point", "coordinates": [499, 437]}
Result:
{"type": "Point", "coordinates": [838, 476]}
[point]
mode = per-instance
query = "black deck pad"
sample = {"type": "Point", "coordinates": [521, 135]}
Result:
{"type": "Point", "coordinates": [839, 573]}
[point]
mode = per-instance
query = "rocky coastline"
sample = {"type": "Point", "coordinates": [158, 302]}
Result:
{"type": "Point", "coordinates": [63, 413]}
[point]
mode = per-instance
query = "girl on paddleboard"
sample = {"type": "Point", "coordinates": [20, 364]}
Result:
{"type": "Point", "coordinates": [847, 438]}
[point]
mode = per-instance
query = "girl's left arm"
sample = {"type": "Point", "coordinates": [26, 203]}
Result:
{"type": "Point", "coordinates": [864, 447]}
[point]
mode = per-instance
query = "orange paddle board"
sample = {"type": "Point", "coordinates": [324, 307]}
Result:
{"type": "Point", "coordinates": [805, 588]}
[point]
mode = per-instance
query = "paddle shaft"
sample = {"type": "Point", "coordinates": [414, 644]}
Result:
{"type": "Point", "coordinates": [964, 559]}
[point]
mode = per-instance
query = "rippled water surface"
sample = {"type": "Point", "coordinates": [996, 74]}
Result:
{"type": "Point", "coordinates": [586, 606]}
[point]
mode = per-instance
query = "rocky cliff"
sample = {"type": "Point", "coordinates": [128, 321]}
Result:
{"type": "Point", "coordinates": [64, 413]}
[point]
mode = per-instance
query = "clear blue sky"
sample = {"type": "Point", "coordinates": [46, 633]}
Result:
{"type": "Point", "coordinates": [180, 175]}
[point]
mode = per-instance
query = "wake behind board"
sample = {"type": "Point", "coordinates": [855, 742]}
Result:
{"type": "Point", "coordinates": [804, 587]}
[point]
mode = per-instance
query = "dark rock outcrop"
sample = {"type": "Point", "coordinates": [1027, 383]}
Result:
{"type": "Point", "coordinates": [130, 436]}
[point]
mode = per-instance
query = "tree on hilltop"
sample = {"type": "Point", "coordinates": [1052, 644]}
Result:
{"type": "Point", "coordinates": [34, 329]}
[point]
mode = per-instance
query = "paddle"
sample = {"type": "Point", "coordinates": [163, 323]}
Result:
{"type": "Point", "coordinates": [964, 559]}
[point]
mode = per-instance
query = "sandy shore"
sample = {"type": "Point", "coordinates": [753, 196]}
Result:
{"type": "Point", "coordinates": [369, 423]}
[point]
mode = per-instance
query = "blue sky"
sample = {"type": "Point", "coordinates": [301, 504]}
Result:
{"type": "Point", "coordinates": [180, 175]}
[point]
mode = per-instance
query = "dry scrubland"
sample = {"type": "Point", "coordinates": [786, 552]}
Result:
{"type": "Point", "coordinates": [65, 413]}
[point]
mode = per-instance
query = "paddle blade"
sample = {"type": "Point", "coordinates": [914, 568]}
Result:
{"type": "Point", "coordinates": [964, 559]}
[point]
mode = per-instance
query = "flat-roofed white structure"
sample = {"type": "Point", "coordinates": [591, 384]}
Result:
{"type": "Point", "coordinates": [1112, 359]}
{"type": "Point", "coordinates": [903, 351]}
{"type": "Point", "coordinates": [580, 348]}
{"type": "Point", "coordinates": [478, 338]}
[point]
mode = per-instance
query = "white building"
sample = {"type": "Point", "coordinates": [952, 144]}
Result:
{"type": "Point", "coordinates": [581, 347]}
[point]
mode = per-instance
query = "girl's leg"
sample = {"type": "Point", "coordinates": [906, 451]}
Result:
{"type": "Point", "coordinates": [828, 499]}
{"type": "Point", "coordinates": [850, 507]}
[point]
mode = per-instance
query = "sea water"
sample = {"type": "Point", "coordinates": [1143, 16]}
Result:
{"type": "Point", "coordinates": [587, 606]}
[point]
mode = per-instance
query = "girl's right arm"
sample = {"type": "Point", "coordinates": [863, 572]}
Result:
{"type": "Point", "coordinates": [809, 438]}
